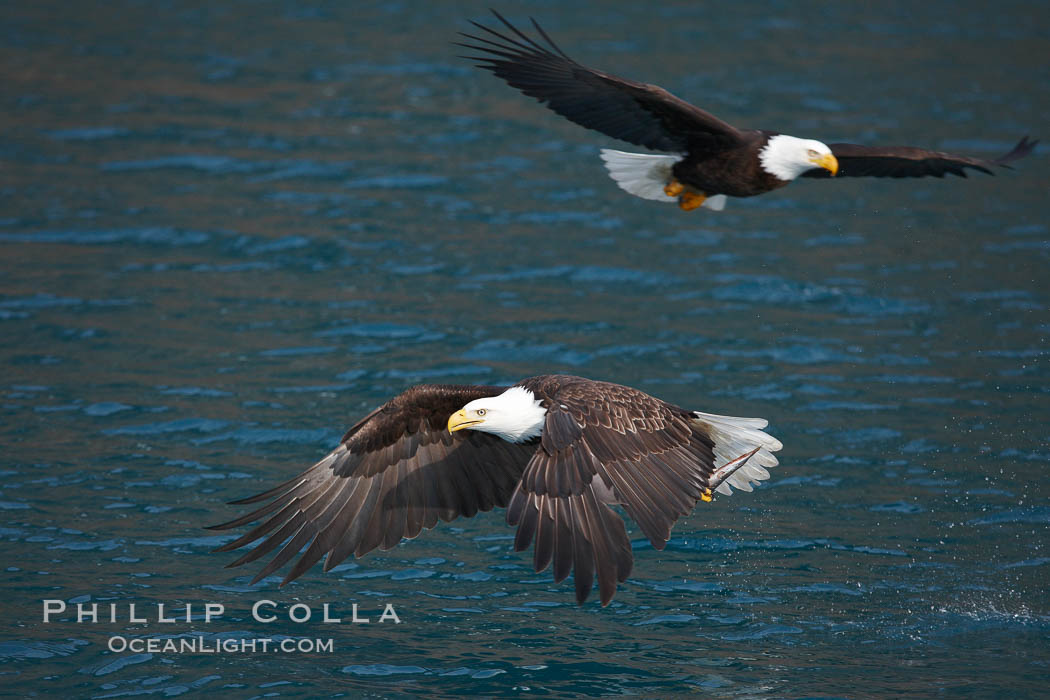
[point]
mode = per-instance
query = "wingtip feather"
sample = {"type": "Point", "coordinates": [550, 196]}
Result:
{"type": "Point", "coordinates": [1023, 148]}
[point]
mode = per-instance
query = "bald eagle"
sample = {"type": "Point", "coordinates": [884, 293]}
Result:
{"type": "Point", "coordinates": [712, 159]}
{"type": "Point", "coordinates": [556, 450]}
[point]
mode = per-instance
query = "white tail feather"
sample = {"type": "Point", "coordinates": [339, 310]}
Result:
{"type": "Point", "coordinates": [642, 174]}
{"type": "Point", "coordinates": [645, 174]}
{"type": "Point", "coordinates": [735, 437]}
{"type": "Point", "coordinates": [716, 203]}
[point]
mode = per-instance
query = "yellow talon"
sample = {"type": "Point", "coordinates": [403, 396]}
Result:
{"type": "Point", "coordinates": [673, 188]}
{"type": "Point", "coordinates": [690, 200]}
{"type": "Point", "coordinates": [706, 495]}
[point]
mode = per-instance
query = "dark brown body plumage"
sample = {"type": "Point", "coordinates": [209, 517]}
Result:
{"type": "Point", "coordinates": [398, 471]}
{"type": "Point", "coordinates": [736, 172]}
{"type": "Point", "coordinates": [719, 158]}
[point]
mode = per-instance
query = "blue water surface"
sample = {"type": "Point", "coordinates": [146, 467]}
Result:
{"type": "Point", "coordinates": [228, 230]}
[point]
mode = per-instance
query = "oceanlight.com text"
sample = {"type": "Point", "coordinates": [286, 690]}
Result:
{"type": "Point", "coordinates": [212, 645]}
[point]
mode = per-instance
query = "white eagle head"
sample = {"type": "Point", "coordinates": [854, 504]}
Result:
{"type": "Point", "coordinates": [787, 157]}
{"type": "Point", "coordinates": [516, 415]}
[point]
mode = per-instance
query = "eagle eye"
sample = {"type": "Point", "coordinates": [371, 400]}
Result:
{"type": "Point", "coordinates": [811, 153]}
{"type": "Point", "coordinates": [481, 411]}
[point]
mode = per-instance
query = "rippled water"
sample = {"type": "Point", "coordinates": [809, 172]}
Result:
{"type": "Point", "coordinates": [228, 230]}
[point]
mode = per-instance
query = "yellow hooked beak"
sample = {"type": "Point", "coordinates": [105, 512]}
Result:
{"type": "Point", "coordinates": [459, 421]}
{"type": "Point", "coordinates": [829, 162]}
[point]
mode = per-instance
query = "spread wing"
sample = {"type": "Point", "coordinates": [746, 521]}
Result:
{"type": "Point", "coordinates": [605, 443]}
{"type": "Point", "coordinates": [642, 114]}
{"type": "Point", "coordinates": [906, 161]}
{"type": "Point", "coordinates": [395, 473]}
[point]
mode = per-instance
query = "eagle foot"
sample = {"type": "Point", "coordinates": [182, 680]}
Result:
{"type": "Point", "coordinates": [673, 188]}
{"type": "Point", "coordinates": [691, 200]}
{"type": "Point", "coordinates": [706, 495]}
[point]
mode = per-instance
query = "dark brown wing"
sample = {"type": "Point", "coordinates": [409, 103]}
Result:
{"type": "Point", "coordinates": [605, 443]}
{"type": "Point", "coordinates": [395, 473]}
{"type": "Point", "coordinates": [646, 115]}
{"type": "Point", "coordinates": [906, 161]}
